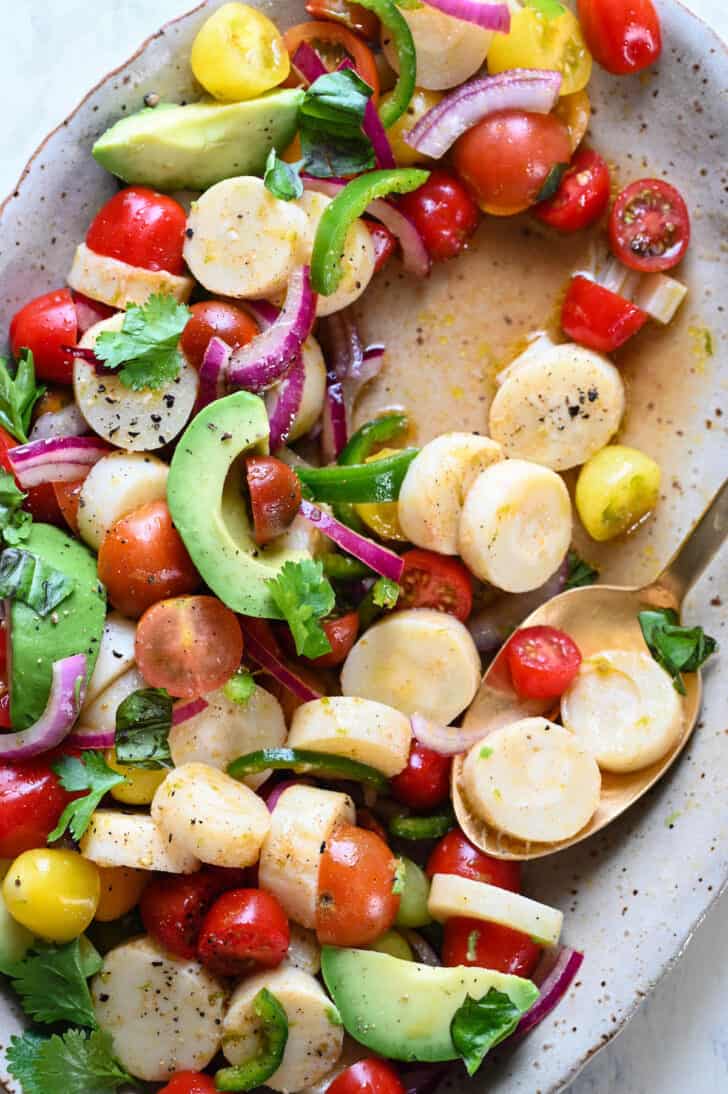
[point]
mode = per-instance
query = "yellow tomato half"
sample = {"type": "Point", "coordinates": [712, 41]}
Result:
{"type": "Point", "coordinates": [575, 112]}
{"type": "Point", "coordinates": [537, 40]}
{"type": "Point", "coordinates": [615, 489]}
{"type": "Point", "coordinates": [121, 888]}
{"type": "Point", "coordinates": [139, 786]}
{"type": "Point", "coordinates": [53, 893]}
{"type": "Point", "coordinates": [238, 54]}
{"type": "Point", "coordinates": [421, 102]}
{"type": "Point", "coordinates": [382, 517]}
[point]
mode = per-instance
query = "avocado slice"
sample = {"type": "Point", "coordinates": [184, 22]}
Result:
{"type": "Point", "coordinates": [172, 147]}
{"type": "Point", "coordinates": [75, 627]}
{"type": "Point", "coordinates": [205, 494]}
{"type": "Point", "coordinates": [404, 1010]}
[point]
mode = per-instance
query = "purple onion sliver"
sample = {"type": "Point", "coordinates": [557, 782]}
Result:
{"type": "Point", "coordinates": [446, 740]}
{"type": "Point", "coordinates": [378, 136]}
{"type": "Point", "coordinates": [286, 405]}
{"type": "Point", "coordinates": [271, 662]}
{"type": "Point", "coordinates": [188, 708]}
{"type": "Point", "coordinates": [212, 372]}
{"type": "Point", "coordinates": [264, 313]}
{"type": "Point", "coordinates": [334, 432]}
{"type": "Point", "coordinates": [421, 948]}
{"type": "Point", "coordinates": [341, 344]}
{"type": "Point", "coordinates": [273, 795]}
{"type": "Point", "coordinates": [307, 61]}
{"type": "Point", "coordinates": [66, 422]}
{"type": "Point", "coordinates": [359, 377]}
{"type": "Point", "coordinates": [56, 459]}
{"type": "Point", "coordinates": [91, 738]}
{"type": "Point", "coordinates": [377, 558]}
{"type": "Point", "coordinates": [88, 355]}
{"type": "Point", "coordinates": [68, 687]}
{"type": "Point", "coordinates": [488, 16]}
{"type": "Point", "coordinates": [554, 976]}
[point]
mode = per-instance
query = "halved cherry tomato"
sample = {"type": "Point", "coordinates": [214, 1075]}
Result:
{"type": "Point", "coordinates": [142, 559]}
{"type": "Point", "coordinates": [385, 244]}
{"type": "Point", "coordinates": [89, 312]}
{"type": "Point", "coordinates": [582, 196]}
{"type": "Point", "coordinates": [436, 581]}
{"type": "Point", "coordinates": [333, 42]}
{"type": "Point", "coordinates": [506, 158]}
{"type": "Point", "coordinates": [443, 213]}
{"type": "Point", "coordinates": [341, 634]}
{"type": "Point", "coordinates": [190, 1082]}
{"type": "Point", "coordinates": [173, 907]}
{"type": "Point", "coordinates": [543, 661]}
{"type": "Point", "coordinates": [599, 318]}
{"type": "Point", "coordinates": [355, 903]}
{"type": "Point", "coordinates": [31, 801]}
{"type": "Point", "coordinates": [189, 645]}
{"type": "Point", "coordinates": [5, 722]}
{"type": "Point", "coordinates": [624, 36]}
{"type": "Point", "coordinates": [367, 1077]}
{"type": "Point", "coordinates": [68, 496]}
{"type": "Point", "coordinates": [140, 227]}
{"type": "Point", "coordinates": [353, 16]}
{"type": "Point", "coordinates": [215, 318]}
{"type": "Point", "coordinates": [425, 781]}
{"type": "Point", "coordinates": [44, 326]}
{"type": "Point", "coordinates": [489, 946]}
{"type": "Point", "coordinates": [455, 854]}
{"type": "Point", "coordinates": [275, 496]}
{"type": "Point", "coordinates": [649, 227]}
{"type": "Point", "coordinates": [245, 930]}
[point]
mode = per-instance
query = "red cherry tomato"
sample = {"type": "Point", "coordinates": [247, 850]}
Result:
{"type": "Point", "coordinates": [367, 1077]}
{"type": "Point", "coordinates": [355, 903]}
{"type": "Point", "coordinates": [582, 196]}
{"type": "Point", "coordinates": [385, 244]}
{"type": "Point", "coordinates": [623, 36]}
{"type": "Point", "coordinates": [353, 16]}
{"type": "Point", "coordinates": [190, 1082]}
{"type": "Point", "coordinates": [5, 722]}
{"type": "Point", "coordinates": [245, 930]}
{"type": "Point", "coordinates": [44, 326]}
{"type": "Point", "coordinates": [455, 854]}
{"type": "Point", "coordinates": [215, 318]}
{"type": "Point", "coordinates": [542, 661]}
{"type": "Point", "coordinates": [599, 318]}
{"type": "Point", "coordinates": [68, 496]}
{"type": "Point", "coordinates": [435, 581]}
{"type": "Point", "coordinates": [489, 946]}
{"type": "Point", "coordinates": [173, 907]}
{"type": "Point", "coordinates": [142, 228]}
{"type": "Point", "coordinates": [341, 634]}
{"type": "Point", "coordinates": [649, 227]}
{"type": "Point", "coordinates": [333, 42]}
{"type": "Point", "coordinates": [444, 214]}
{"type": "Point", "coordinates": [275, 496]}
{"type": "Point", "coordinates": [31, 801]}
{"type": "Point", "coordinates": [425, 781]}
{"type": "Point", "coordinates": [89, 312]}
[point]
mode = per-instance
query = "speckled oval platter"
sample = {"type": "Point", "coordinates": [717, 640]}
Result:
{"type": "Point", "coordinates": [634, 894]}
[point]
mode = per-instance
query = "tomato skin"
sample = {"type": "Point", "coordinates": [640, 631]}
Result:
{"type": "Point", "coordinates": [367, 1077]}
{"type": "Point", "coordinates": [598, 318]}
{"type": "Point", "coordinates": [89, 312]}
{"type": "Point", "coordinates": [5, 723]}
{"type": "Point", "coordinates": [455, 854]}
{"type": "Point", "coordinates": [44, 326]}
{"type": "Point", "coordinates": [649, 226]}
{"type": "Point", "coordinates": [275, 496]}
{"type": "Point", "coordinates": [245, 930]}
{"type": "Point", "coordinates": [31, 801]}
{"type": "Point", "coordinates": [582, 197]}
{"type": "Point", "coordinates": [543, 661]}
{"type": "Point", "coordinates": [215, 318]}
{"type": "Point", "coordinates": [142, 228]}
{"type": "Point", "coordinates": [489, 946]}
{"type": "Point", "coordinates": [341, 633]}
{"type": "Point", "coordinates": [384, 242]}
{"type": "Point", "coordinates": [506, 158]}
{"type": "Point", "coordinates": [190, 1082]}
{"type": "Point", "coordinates": [425, 781]}
{"type": "Point", "coordinates": [173, 908]}
{"type": "Point", "coordinates": [436, 581]}
{"type": "Point", "coordinates": [444, 214]}
{"type": "Point", "coordinates": [68, 496]}
{"type": "Point", "coordinates": [355, 903]}
{"type": "Point", "coordinates": [353, 16]}
{"type": "Point", "coordinates": [624, 36]}
{"type": "Point", "coordinates": [336, 39]}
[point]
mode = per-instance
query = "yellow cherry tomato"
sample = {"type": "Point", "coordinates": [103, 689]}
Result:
{"type": "Point", "coordinates": [121, 888]}
{"type": "Point", "coordinates": [382, 517]}
{"type": "Point", "coordinates": [422, 101]}
{"type": "Point", "coordinates": [575, 112]}
{"type": "Point", "coordinates": [139, 786]}
{"type": "Point", "coordinates": [539, 40]}
{"type": "Point", "coordinates": [238, 54]}
{"type": "Point", "coordinates": [616, 488]}
{"type": "Point", "coordinates": [53, 893]}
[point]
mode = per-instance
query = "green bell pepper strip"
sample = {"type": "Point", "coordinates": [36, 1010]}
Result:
{"type": "Point", "coordinates": [391, 18]}
{"type": "Point", "coordinates": [306, 761]}
{"type": "Point", "coordinates": [344, 567]}
{"type": "Point", "coordinates": [346, 207]}
{"type": "Point", "coordinates": [359, 482]}
{"type": "Point", "coordinates": [274, 1035]}
{"type": "Point", "coordinates": [432, 827]}
{"type": "Point", "coordinates": [356, 451]}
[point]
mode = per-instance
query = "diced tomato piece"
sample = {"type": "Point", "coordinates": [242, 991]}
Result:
{"type": "Point", "coordinates": [598, 318]}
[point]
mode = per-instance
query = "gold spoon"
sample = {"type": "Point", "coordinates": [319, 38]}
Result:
{"type": "Point", "coordinates": [597, 617]}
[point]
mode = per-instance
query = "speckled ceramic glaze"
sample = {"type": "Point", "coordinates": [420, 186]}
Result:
{"type": "Point", "coordinates": [633, 894]}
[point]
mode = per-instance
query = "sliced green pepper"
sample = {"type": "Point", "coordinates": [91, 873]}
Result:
{"type": "Point", "coordinates": [274, 1035]}
{"type": "Point", "coordinates": [340, 214]}
{"type": "Point", "coordinates": [359, 482]}
{"type": "Point", "coordinates": [306, 761]}
{"type": "Point", "coordinates": [432, 827]}
{"type": "Point", "coordinates": [398, 27]}
{"type": "Point", "coordinates": [359, 447]}
{"type": "Point", "coordinates": [344, 567]}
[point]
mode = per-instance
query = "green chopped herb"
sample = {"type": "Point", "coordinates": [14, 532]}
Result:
{"type": "Point", "coordinates": [304, 596]}
{"type": "Point", "coordinates": [143, 722]}
{"type": "Point", "coordinates": [281, 178]}
{"type": "Point", "coordinates": [580, 572]}
{"type": "Point", "coordinates": [15, 523]}
{"type": "Point", "coordinates": [676, 648]}
{"type": "Point", "coordinates": [33, 581]}
{"type": "Point", "coordinates": [75, 1063]}
{"type": "Point", "coordinates": [51, 982]}
{"type": "Point", "coordinates": [19, 393]}
{"type": "Point", "coordinates": [479, 1025]}
{"type": "Point", "coordinates": [146, 349]}
{"type": "Point", "coordinates": [91, 773]}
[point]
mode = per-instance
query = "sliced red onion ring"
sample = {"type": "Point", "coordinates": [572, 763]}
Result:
{"type": "Point", "coordinates": [307, 61]}
{"type": "Point", "coordinates": [268, 357]}
{"type": "Point", "coordinates": [359, 376]}
{"type": "Point", "coordinates": [264, 313]}
{"type": "Point", "coordinates": [447, 740]}
{"type": "Point", "coordinates": [282, 414]}
{"type": "Point", "coordinates": [66, 422]}
{"type": "Point", "coordinates": [212, 372]}
{"type": "Point", "coordinates": [186, 709]}
{"type": "Point", "coordinates": [68, 687]}
{"type": "Point", "coordinates": [334, 432]}
{"type": "Point", "coordinates": [273, 795]}
{"type": "Point", "coordinates": [56, 459]}
{"type": "Point", "coordinates": [91, 738]}
{"type": "Point", "coordinates": [377, 558]}
{"type": "Point", "coordinates": [269, 660]}
{"type": "Point", "coordinates": [341, 343]}
{"type": "Point", "coordinates": [489, 16]}
{"type": "Point", "coordinates": [373, 128]}
{"type": "Point", "coordinates": [554, 975]}
{"type": "Point", "coordinates": [534, 90]}
{"type": "Point", "coordinates": [421, 948]}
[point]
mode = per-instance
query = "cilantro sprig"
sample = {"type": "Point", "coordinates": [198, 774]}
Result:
{"type": "Point", "coordinates": [91, 773]}
{"type": "Point", "coordinates": [304, 596]}
{"type": "Point", "coordinates": [15, 523]}
{"type": "Point", "coordinates": [146, 348]}
{"type": "Point", "coordinates": [19, 393]}
{"type": "Point", "coordinates": [143, 722]}
{"type": "Point", "coordinates": [76, 1063]}
{"type": "Point", "coordinates": [678, 649]}
{"type": "Point", "coordinates": [51, 982]}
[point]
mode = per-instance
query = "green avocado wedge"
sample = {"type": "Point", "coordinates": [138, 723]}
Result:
{"type": "Point", "coordinates": [192, 147]}
{"type": "Point", "coordinates": [75, 626]}
{"type": "Point", "coordinates": [404, 1010]}
{"type": "Point", "coordinates": [206, 497]}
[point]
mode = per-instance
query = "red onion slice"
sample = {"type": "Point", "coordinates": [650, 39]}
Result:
{"type": "Point", "coordinates": [273, 795]}
{"type": "Point", "coordinates": [89, 312]}
{"type": "Point", "coordinates": [373, 128]}
{"type": "Point", "coordinates": [212, 372]}
{"type": "Point", "coordinates": [287, 404]}
{"type": "Point", "coordinates": [447, 740]}
{"type": "Point", "coordinates": [421, 948]}
{"type": "Point", "coordinates": [91, 738]}
{"type": "Point", "coordinates": [269, 660]}
{"type": "Point", "coordinates": [554, 975]}
{"type": "Point", "coordinates": [264, 313]}
{"type": "Point", "coordinates": [334, 432]}
{"type": "Point", "coordinates": [68, 687]}
{"type": "Point", "coordinates": [307, 62]}
{"type": "Point", "coordinates": [534, 90]}
{"type": "Point", "coordinates": [66, 422]}
{"type": "Point", "coordinates": [377, 558]}
{"type": "Point", "coordinates": [489, 16]}
{"type": "Point", "coordinates": [359, 376]}
{"type": "Point", "coordinates": [56, 459]}
{"type": "Point", "coordinates": [186, 709]}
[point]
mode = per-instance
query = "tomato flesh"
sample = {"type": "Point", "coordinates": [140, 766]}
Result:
{"type": "Point", "coordinates": [190, 1082]}
{"type": "Point", "coordinates": [624, 36]}
{"type": "Point", "coordinates": [368, 1077]}
{"type": "Point", "coordinates": [275, 496]}
{"type": "Point", "coordinates": [215, 319]}
{"type": "Point", "coordinates": [142, 228]}
{"type": "Point", "coordinates": [455, 854]}
{"type": "Point", "coordinates": [341, 634]}
{"type": "Point", "coordinates": [649, 227]}
{"type": "Point", "coordinates": [353, 16]}
{"type": "Point", "coordinates": [244, 930]}
{"type": "Point", "coordinates": [598, 318]}
{"type": "Point", "coordinates": [435, 581]}
{"type": "Point", "coordinates": [385, 244]}
{"type": "Point", "coordinates": [333, 42]}
{"type": "Point", "coordinates": [31, 801]}
{"type": "Point", "coordinates": [68, 496]}
{"type": "Point", "coordinates": [489, 946]}
{"type": "Point", "coordinates": [355, 902]}
{"type": "Point", "coordinates": [173, 907]}
{"type": "Point", "coordinates": [444, 214]}
{"type": "Point", "coordinates": [582, 196]}
{"type": "Point", "coordinates": [45, 326]}
{"type": "Point", "coordinates": [425, 781]}
{"type": "Point", "coordinates": [542, 661]}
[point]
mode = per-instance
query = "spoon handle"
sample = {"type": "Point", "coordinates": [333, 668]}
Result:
{"type": "Point", "coordinates": [698, 549]}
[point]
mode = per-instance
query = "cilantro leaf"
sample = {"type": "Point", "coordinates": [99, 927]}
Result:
{"type": "Point", "coordinates": [14, 521]}
{"type": "Point", "coordinates": [551, 9]}
{"type": "Point", "coordinates": [76, 1063]}
{"type": "Point", "coordinates": [51, 982]}
{"type": "Point", "coordinates": [143, 722]}
{"type": "Point", "coordinates": [303, 596]}
{"type": "Point", "coordinates": [281, 178]}
{"type": "Point", "coordinates": [21, 1057]}
{"type": "Point", "coordinates": [146, 345]}
{"type": "Point", "coordinates": [580, 572]}
{"type": "Point", "coordinates": [552, 181]}
{"type": "Point", "coordinates": [18, 395]}
{"type": "Point", "coordinates": [330, 125]}
{"type": "Point", "coordinates": [33, 581]}
{"type": "Point", "coordinates": [91, 773]}
{"type": "Point", "coordinates": [479, 1025]}
{"type": "Point", "coordinates": [239, 687]}
{"type": "Point", "coordinates": [385, 593]}
{"type": "Point", "coordinates": [677, 649]}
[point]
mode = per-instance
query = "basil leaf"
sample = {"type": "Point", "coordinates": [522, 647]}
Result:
{"type": "Point", "coordinates": [552, 181]}
{"type": "Point", "coordinates": [29, 579]}
{"type": "Point", "coordinates": [18, 395]}
{"type": "Point", "coordinates": [479, 1025]}
{"type": "Point", "coordinates": [143, 722]}
{"type": "Point", "coordinates": [580, 573]}
{"type": "Point", "coordinates": [677, 649]}
{"type": "Point", "coordinates": [330, 125]}
{"type": "Point", "coordinates": [281, 178]}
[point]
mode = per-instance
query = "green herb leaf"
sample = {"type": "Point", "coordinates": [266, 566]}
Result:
{"type": "Point", "coordinates": [143, 722]}
{"type": "Point", "coordinates": [481, 1024]}
{"type": "Point", "coordinates": [146, 345]}
{"type": "Point", "coordinates": [330, 126]}
{"type": "Point", "coordinates": [91, 773]}
{"type": "Point", "coordinates": [580, 572]}
{"type": "Point", "coordinates": [22, 1059]}
{"type": "Point", "coordinates": [678, 649]}
{"type": "Point", "coordinates": [15, 523]}
{"type": "Point", "coordinates": [385, 593]}
{"type": "Point", "coordinates": [304, 596]}
{"type": "Point", "coordinates": [33, 581]}
{"type": "Point", "coordinates": [76, 1063]}
{"type": "Point", "coordinates": [51, 982]}
{"type": "Point", "coordinates": [552, 181]}
{"type": "Point", "coordinates": [239, 687]}
{"type": "Point", "coordinates": [18, 395]}
{"type": "Point", "coordinates": [552, 9]}
{"type": "Point", "coordinates": [281, 178]}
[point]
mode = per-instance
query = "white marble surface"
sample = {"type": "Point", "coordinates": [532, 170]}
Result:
{"type": "Point", "coordinates": [53, 52]}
